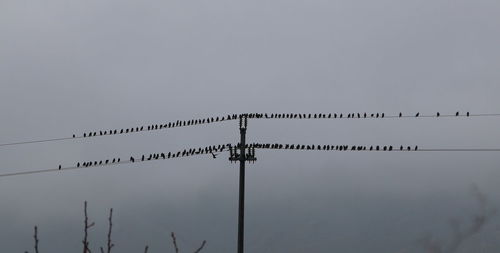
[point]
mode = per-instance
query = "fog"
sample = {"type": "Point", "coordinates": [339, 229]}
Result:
{"type": "Point", "coordinates": [68, 67]}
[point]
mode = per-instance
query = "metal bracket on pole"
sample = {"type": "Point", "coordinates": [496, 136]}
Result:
{"type": "Point", "coordinates": [242, 153]}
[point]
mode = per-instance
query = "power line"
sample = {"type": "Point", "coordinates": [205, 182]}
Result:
{"type": "Point", "coordinates": [153, 127]}
{"type": "Point", "coordinates": [209, 120]}
{"type": "Point", "coordinates": [138, 159]}
{"type": "Point", "coordinates": [369, 148]}
{"type": "Point", "coordinates": [226, 148]}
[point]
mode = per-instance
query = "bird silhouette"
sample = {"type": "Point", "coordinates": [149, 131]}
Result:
{"type": "Point", "coordinates": [468, 114]}
{"type": "Point", "coordinates": [400, 115]}
{"type": "Point", "coordinates": [418, 114]}
{"type": "Point", "coordinates": [456, 114]}
{"type": "Point", "coordinates": [437, 114]}
{"type": "Point", "coordinates": [60, 167]}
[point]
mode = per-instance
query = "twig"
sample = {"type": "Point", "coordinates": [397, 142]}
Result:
{"type": "Point", "coordinates": [87, 226]}
{"type": "Point", "coordinates": [36, 239]}
{"type": "Point", "coordinates": [110, 245]}
{"type": "Point", "coordinates": [174, 242]}
{"type": "Point", "coordinates": [201, 247]}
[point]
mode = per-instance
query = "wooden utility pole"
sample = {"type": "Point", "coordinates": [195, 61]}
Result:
{"type": "Point", "coordinates": [241, 156]}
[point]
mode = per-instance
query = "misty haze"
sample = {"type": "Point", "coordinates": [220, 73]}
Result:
{"type": "Point", "coordinates": [175, 78]}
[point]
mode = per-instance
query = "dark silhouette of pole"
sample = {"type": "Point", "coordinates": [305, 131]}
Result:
{"type": "Point", "coordinates": [242, 157]}
{"type": "Point", "coordinates": [241, 206]}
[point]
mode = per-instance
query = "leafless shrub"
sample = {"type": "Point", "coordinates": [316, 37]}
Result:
{"type": "Point", "coordinates": [459, 232]}
{"type": "Point", "coordinates": [110, 245]}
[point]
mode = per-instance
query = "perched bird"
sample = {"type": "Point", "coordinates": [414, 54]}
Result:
{"type": "Point", "coordinates": [132, 159]}
{"type": "Point", "coordinates": [418, 114]}
{"type": "Point", "coordinates": [60, 167]}
{"type": "Point", "coordinates": [437, 114]}
{"type": "Point", "coordinates": [78, 165]}
{"type": "Point", "coordinates": [74, 136]}
{"type": "Point", "coordinates": [400, 115]}
{"type": "Point", "coordinates": [468, 114]}
{"type": "Point", "coordinates": [456, 114]}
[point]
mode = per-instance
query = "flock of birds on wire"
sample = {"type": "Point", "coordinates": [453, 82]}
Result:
{"type": "Point", "coordinates": [183, 123]}
{"type": "Point", "coordinates": [233, 149]}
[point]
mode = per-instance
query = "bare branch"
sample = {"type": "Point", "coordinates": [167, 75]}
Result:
{"type": "Point", "coordinates": [36, 239]}
{"type": "Point", "coordinates": [110, 245]}
{"type": "Point", "coordinates": [201, 247]}
{"type": "Point", "coordinates": [174, 242]}
{"type": "Point", "coordinates": [86, 228]}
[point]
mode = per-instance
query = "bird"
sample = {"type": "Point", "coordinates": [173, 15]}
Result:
{"type": "Point", "coordinates": [456, 114]}
{"type": "Point", "coordinates": [60, 167]}
{"type": "Point", "coordinates": [416, 115]}
{"type": "Point", "coordinates": [400, 115]}
{"type": "Point", "coordinates": [214, 155]}
{"type": "Point", "coordinates": [132, 159]}
{"type": "Point", "coordinates": [468, 114]}
{"type": "Point", "coordinates": [78, 165]}
{"type": "Point", "coordinates": [437, 114]}
{"type": "Point", "coordinates": [74, 136]}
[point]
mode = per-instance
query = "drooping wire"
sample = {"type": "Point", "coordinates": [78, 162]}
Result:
{"type": "Point", "coordinates": [208, 150]}
{"type": "Point", "coordinates": [209, 120]}
{"type": "Point", "coordinates": [227, 148]}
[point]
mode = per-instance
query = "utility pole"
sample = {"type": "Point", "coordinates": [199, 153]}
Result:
{"type": "Point", "coordinates": [242, 156]}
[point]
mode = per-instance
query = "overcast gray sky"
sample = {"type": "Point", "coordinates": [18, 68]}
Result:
{"type": "Point", "coordinates": [72, 66]}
